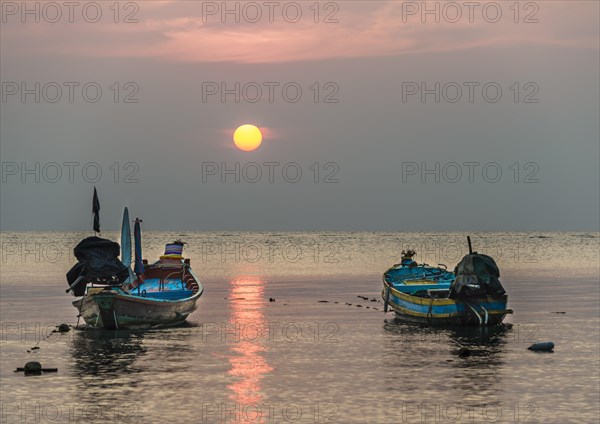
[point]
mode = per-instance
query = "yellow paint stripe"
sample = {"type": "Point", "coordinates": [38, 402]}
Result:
{"type": "Point", "coordinates": [422, 315]}
{"type": "Point", "coordinates": [421, 300]}
{"type": "Point", "coordinates": [419, 282]}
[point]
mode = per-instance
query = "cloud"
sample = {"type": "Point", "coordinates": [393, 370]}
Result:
{"type": "Point", "coordinates": [195, 32]}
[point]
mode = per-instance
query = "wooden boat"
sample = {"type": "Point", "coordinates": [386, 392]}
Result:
{"type": "Point", "coordinates": [472, 295]}
{"type": "Point", "coordinates": [164, 295]}
{"type": "Point", "coordinates": [110, 296]}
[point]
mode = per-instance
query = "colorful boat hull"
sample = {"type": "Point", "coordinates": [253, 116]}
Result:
{"type": "Point", "coordinates": [141, 306]}
{"type": "Point", "coordinates": [444, 311]}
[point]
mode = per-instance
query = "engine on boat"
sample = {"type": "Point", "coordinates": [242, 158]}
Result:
{"type": "Point", "coordinates": [98, 261]}
{"type": "Point", "coordinates": [477, 275]}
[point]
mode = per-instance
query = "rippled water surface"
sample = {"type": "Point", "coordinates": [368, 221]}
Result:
{"type": "Point", "coordinates": [283, 334]}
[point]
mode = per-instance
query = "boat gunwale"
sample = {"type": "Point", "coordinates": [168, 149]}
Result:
{"type": "Point", "coordinates": [144, 300]}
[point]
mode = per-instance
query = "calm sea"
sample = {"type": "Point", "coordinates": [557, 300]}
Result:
{"type": "Point", "coordinates": [284, 335]}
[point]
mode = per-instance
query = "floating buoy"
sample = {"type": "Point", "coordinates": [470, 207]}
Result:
{"type": "Point", "coordinates": [542, 347]}
{"type": "Point", "coordinates": [33, 366]}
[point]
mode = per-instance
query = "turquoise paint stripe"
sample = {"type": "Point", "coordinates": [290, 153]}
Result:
{"type": "Point", "coordinates": [157, 299]}
{"type": "Point", "coordinates": [408, 289]}
{"type": "Point", "coordinates": [153, 284]}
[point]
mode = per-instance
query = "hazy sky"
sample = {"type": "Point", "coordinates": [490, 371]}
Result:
{"type": "Point", "coordinates": [483, 117]}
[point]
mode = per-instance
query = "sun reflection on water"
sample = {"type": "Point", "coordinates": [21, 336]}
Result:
{"type": "Point", "coordinates": [248, 365]}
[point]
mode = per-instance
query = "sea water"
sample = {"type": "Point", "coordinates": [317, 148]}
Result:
{"type": "Point", "coordinates": [291, 329]}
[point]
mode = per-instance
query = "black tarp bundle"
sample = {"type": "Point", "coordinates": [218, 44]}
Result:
{"type": "Point", "coordinates": [477, 275]}
{"type": "Point", "coordinates": [98, 259]}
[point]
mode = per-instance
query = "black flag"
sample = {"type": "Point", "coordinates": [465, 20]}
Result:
{"type": "Point", "coordinates": [96, 211]}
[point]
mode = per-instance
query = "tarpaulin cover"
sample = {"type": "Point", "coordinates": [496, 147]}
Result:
{"type": "Point", "coordinates": [473, 270]}
{"type": "Point", "coordinates": [98, 259]}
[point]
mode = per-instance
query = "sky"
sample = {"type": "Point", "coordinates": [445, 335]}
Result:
{"type": "Point", "coordinates": [375, 115]}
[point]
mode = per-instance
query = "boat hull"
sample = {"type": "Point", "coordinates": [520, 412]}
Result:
{"type": "Point", "coordinates": [444, 311]}
{"type": "Point", "coordinates": [114, 310]}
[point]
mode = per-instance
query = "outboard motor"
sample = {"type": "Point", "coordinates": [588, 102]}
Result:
{"type": "Point", "coordinates": [477, 276]}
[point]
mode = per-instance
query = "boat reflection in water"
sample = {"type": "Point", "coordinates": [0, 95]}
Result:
{"type": "Point", "coordinates": [428, 359]}
{"type": "Point", "coordinates": [107, 353]}
{"type": "Point", "coordinates": [248, 344]}
{"type": "Point", "coordinates": [106, 364]}
{"type": "Point", "coordinates": [483, 342]}
{"type": "Point", "coordinates": [112, 368]}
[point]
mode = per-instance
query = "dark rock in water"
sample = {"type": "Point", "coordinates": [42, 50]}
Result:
{"type": "Point", "coordinates": [359, 306]}
{"type": "Point", "coordinates": [463, 352]}
{"type": "Point", "coordinates": [373, 300]}
{"type": "Point", "coordinates": [542, 347]}
{"type": "Point", "coordinates": [63, 328]}
{"type": "Point", "coordinates": [271, 299]}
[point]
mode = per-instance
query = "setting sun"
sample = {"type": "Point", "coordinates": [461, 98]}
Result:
{"type": "Point", "coordinates": [247, 137]}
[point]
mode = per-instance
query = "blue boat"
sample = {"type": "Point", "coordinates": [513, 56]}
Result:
{"type": "Point", "coordinates": [472, 295]}
{"type": "Point", "coordinates": [110, 295]}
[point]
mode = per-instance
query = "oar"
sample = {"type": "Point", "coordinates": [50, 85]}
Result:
{"type": "Point", "coordinates": [387, 299]}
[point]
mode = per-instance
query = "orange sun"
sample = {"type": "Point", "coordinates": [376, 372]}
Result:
{"type": "Point", "coordinates": [247, 137]}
